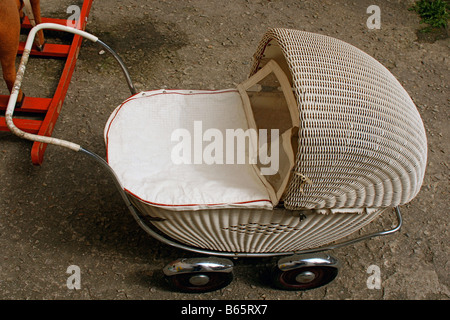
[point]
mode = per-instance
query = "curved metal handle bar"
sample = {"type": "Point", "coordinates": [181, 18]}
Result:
{"type": "Point", "coordinates": [121, 64]}
{"type": "Point", "coordinates": [20, 74]}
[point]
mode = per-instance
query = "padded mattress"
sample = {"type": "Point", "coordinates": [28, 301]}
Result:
{"type": "Point", "coordinates": [148, 136]}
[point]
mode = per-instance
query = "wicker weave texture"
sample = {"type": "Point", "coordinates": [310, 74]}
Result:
{"type": "Point", "coordinates": [362, 142]}
{"type": "Point", "coordinates": [256, 230]}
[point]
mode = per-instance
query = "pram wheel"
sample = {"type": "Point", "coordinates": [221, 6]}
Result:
{"type": "Point", "coordinates": [200, 282]}
{"type": "Point", "coordinates": [198, 275]}
{"type": "Point", "coordinates": [304, 272]}
{"type": "Point", "coordinates": [305, 278]}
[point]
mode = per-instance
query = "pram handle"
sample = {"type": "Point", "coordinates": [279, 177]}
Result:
{"type": "Point", "coordinates": [20, 75]}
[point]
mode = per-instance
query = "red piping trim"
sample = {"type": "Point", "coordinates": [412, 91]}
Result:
{"type": "Point", "coordinates": [192, 205]}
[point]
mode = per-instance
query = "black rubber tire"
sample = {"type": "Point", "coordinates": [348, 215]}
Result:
{"type": "Point", "coordinates": [285, 280]}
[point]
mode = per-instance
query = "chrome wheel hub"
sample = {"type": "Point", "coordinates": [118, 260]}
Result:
{"type": "Point", "coordinates": [305, 277]}
{"type": "Point", "coordinates": [199, 280]}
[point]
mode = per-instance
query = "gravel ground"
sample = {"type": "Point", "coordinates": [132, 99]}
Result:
{"type": "Point", "coordinates": [67, 212]}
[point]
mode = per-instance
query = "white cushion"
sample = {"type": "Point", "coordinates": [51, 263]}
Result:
{"type": "Point", "coordinates": [139, 144]}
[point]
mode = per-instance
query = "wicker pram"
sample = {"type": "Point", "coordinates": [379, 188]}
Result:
{"type": "Point", "coordinates": [350, 146]}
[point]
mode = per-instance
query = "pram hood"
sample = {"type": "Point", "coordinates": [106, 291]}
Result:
{"type": "Point", "coordinates": [351, 137]}
{"type": "Point", "coordinates": [361, 140]}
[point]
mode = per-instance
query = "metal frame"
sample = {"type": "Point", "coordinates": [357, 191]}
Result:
{"type": "Point", "coordinates": [307, 260]}
{"type": "Point", "coordinates": [135, 213]}
{"type": "Point", "coordinates": [198, 265]}
{"type": "Point", "coordinates": [152, 230]}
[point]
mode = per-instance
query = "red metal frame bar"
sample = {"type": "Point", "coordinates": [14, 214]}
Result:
{"type": "Point", "coordinates": [49, 108]}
